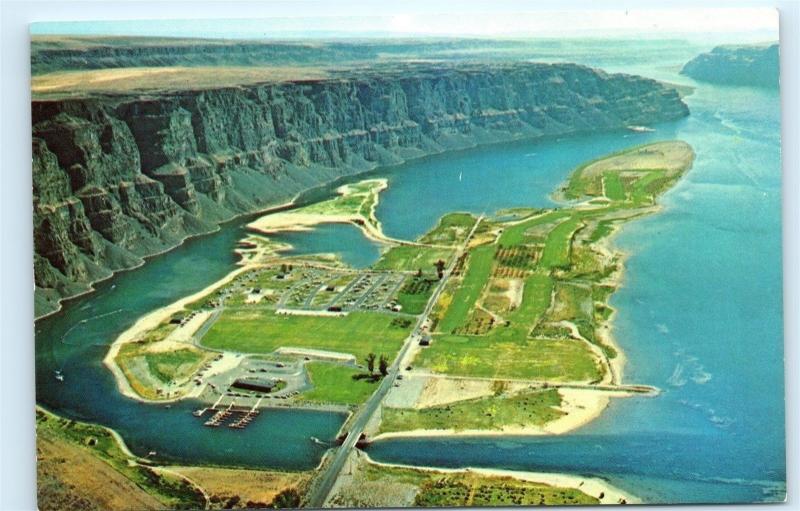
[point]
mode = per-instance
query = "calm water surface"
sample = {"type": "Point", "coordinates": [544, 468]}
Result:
{"type": "Point", "coordinates": [699, 315]}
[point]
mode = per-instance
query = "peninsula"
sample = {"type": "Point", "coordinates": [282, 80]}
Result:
{"type": "Point", "coordinates": [485, 325]}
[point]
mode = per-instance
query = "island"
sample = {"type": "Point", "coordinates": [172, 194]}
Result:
{"type": "Point", "coordinates": [492, 324]}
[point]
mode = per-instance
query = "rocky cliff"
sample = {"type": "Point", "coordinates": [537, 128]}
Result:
{"type": "Point", "coordinates": [118, 178]}
{"type": "Point", "coordinates": [737, 65]}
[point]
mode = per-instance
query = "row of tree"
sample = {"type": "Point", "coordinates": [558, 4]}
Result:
{"type": "Point", "coordinates": [383, 364]}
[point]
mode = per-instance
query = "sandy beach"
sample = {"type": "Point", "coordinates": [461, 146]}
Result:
{"type": "Point", "coordinates": [300, 220]}
{"type": "Point", "coordinates": [150, 321]}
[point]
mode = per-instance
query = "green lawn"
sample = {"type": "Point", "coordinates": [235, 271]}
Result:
{"type": "Point", "coordinates": [412, 258]}
{"type": "Point", "coordinates": [496, 356]}
{"type": "Point", "coordinates": [357, 333]}
{"type": "Point", "coordinates": [530, 408]}
{"type": "Point", "coordinates": [479, 266]}
{"type": "Point", "coordinates": [334, 383]}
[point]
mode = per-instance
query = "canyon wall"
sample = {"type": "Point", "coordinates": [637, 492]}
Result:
{"type": "Point", "coordinates": [737, 65]}
{"type": "Point", "coordinates": [118, 178]}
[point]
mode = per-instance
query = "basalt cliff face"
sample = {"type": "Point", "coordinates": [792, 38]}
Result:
{"type": "Point", "coordinates": [118, 178]}
{"type": "Point", "coordinates": [737, 65]}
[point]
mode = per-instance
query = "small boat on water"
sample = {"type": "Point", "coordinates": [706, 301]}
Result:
{"type": "Point", "coordinates": [460, 175]}
{"type": "Point", "coordinates": [640, 129]}
{"type": "Point", "coordinates": [58, 375]}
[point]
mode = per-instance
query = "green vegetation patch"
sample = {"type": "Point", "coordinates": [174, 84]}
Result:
{"type": "Point", "coordinates": [149, 372]}
{"type": "Point", "coordinates": [474, 490]}
{"type": "Point", "coordinates": [470, 489]}
{"type": "Point", "coordinates": [479, 267]}
{"type": "Point", "coordinates": [526, 409]}
{"type": "Point", "coordinates": [415, 293]}
{"type": "Point", "coordinates": [613, 187]}
{"type": "Point", "coordinates": [335, 383]}
{"type": "Point", "coordinates": [516, 234]}
{"type": "Point", "coordinates": [494, 356]}
{"type": "Point", "coordinates": [557, 247]}
{"type": "Point", "coordinates": [452, 229]}
{"type": "Point", "coordinates": [412, 258]}
{"type": "Point", "coordinates": [357, 333]}
{"type": "Point", "coordinates": [664, 161]}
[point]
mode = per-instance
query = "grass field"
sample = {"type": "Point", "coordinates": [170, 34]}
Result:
{"type": "Point", "coordinates": [92, 472]}
{"type": "Point", "coordinates": [357, 333]}
{"type": "Point", "coordinates": [334, 383]}
{"type": "Point", "coordinates": [412, 258]}
{"type": "Point", "coordinates": [530, 408]}
{"type": "Point", "coordinates": [479, 266]}
{"type": "Point", "coordinates": [494, 356]}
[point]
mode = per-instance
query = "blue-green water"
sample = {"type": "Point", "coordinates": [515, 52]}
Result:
{"type": "Point", "coordinates": [699, 315]}
{"type": "Point", "coordinates": [345, 240]}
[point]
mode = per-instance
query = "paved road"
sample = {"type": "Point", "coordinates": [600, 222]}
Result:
{"type": "Point", "coordinates": [319, 495]}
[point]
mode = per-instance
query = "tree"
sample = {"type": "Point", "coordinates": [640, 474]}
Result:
{"type": "Point", "coordinates": [383, 365]}
{"type": "Point", "coordinates": [288, 498]}
{"type": "Point", "coordinates": [284, 268]}
{"type": "Point", "coordinates": [439, 268]}
{"type": "Point", "coordinates": [419, 272]}
{"type": "Point", "coordinates": [370, 362]}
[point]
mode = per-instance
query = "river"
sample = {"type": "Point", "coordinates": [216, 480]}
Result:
{"type": "Point", "coordinates": [699, 313]}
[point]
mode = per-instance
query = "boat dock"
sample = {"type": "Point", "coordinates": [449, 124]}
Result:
{"type": "Point", "coordinates": [219, 417]}
{"type": "Point", "coordinates": [235, 417]}
{"type": "Point", "coordinates": [247, 418]}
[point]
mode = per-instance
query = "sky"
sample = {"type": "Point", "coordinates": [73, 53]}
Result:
{"type": "Point", "coordinates": [759, 23]}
